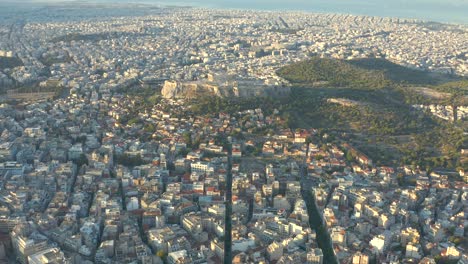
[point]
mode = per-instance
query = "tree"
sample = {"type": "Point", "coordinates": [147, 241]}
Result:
{"type": "Point", "coordinates": [187, 136]}
{"type": "Point", "coordinates": [400, 179]}
{"type": "Point", "coordinates": [82, 160]}
{"type": "Point", "coordinates": [132, 121]}
{"type": "Point", "coordinates": [149, 128]}
{"type": "Point", "coordinates": [183, 152]}
{"type": "Point", "coordinates": [221, 140]}
{"type": "Point", "coordinates": [161, 253]}
{"type": "Point", "coordinates": [249, 149]}
{"type": "Point", "coordinates": [130, 161]}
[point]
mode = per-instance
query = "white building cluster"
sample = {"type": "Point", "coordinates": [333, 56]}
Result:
{"type": "Point", "coordinates": [189, 44]}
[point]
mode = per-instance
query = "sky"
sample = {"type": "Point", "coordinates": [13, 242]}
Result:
{"type": "Point", "coordinates": [452, 11]}
{"type": "Point", "coordinates": [289, 2]}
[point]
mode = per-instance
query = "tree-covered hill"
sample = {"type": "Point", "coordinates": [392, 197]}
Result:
{"type": "Point", "coordinates": [333, 73]}
{"type": "Point", "coordinates": [396, 73]}
{"type": "Point", "coordinates": [459, 87]}
{"type": "Point", "coordinates": [368, 74]}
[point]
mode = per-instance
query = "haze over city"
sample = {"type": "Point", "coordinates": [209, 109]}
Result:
{"type": "Point", "coordinates": [450, 11]}
{"type": "Point", "coordinates": [304, 132]}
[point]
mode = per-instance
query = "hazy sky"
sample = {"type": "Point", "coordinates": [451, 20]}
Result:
{"type": "Point", "coordinates": [289, 2]}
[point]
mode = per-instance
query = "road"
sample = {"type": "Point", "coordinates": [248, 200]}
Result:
{"type": "Point", "coordinates": [315, 217]}
{"type": "Point", "coordinates": [228, 212]}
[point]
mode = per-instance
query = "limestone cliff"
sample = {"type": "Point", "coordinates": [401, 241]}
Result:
{"type": "Point", "coordinates": [174, 89]}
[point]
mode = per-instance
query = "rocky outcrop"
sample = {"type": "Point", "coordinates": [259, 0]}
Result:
{"type": "Point", "coordinates": [170, 89]}
{"type": "Point", "coordinates": [174, 89]}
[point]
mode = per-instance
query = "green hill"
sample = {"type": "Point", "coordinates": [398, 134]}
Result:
{"type": "Point", "coordinates": [459, 87]}
{"type": "Point", "coordinates": [333, 73]}
{"type": "Point", "coordinates": [368, 74]}
{"type": "Point", "coordinates": [394, 72]}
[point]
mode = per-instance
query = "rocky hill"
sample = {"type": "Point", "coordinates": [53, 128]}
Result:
{"type": "Point", "coordinates": [174, 89]}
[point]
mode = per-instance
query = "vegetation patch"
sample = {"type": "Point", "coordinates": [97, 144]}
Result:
{"type": "Point", "coordinates": [368, 101]}
{"type": "Point", "coordinates": [9, 63]}
{"type": "Point", "coordinates": [395, 73]}
{"type": "Point", "coordinates": [333, 73]}
{"type": "Point", "coordinates": [50, 60]}
{"type": "Point", "coordinates": [368, 74]}
{"type": "Point", "coordinates": [459, 87]}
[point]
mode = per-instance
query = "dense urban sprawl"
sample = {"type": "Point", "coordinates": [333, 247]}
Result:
{"type": "Point", "coordinates": [95, 176]}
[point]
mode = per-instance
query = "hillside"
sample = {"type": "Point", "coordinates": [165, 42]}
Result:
{"type": "Point", "coordinates": [368, 74]}
{"type": "Point", "coordinates": [381, 120]}
{"type": "Point", "coordinates": [378, 122]}
{"type": "Point", "coordinates": [370, 107]}
{"type": "Point", "coordinates": [459, 87]}
{"type": "Point", "coordinates": [333, 73]}
{"type": "Point", "coordinates": [396, 73]}
{"type": "Point", "coordinates": [410, 85]}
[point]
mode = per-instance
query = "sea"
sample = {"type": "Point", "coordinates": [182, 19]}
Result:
{"type": "Point", "coordinates": [443, 11]}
